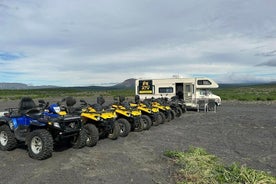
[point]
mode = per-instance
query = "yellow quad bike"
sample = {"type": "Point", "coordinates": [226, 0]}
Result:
{"type": "Point", "coordinates": [104, 120]}
{"type": "Point", "coordinates": [129, 118]}
{"type": "Point", "coordinates": [92, 133]}
{"type": "Point", "coordinates": [164, 109]}
{"type": "Point", "coordinates": [149, 113]}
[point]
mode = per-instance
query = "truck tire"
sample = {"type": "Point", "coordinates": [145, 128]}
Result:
{"type": "Point", "coordinates": [146, 122]}
{"type": "Point", "coordinates": [40, 144]}
{"type": "Point", "coordinates": [79, 141]}
{"type": "Point", "coordinates": [115, 133]}
{"type": "Point", "coordinates": [7, 138]}
{"type": "Point", "coordinates": [125, 127]}
{"type": "Point", "coordinates": [92, 134]}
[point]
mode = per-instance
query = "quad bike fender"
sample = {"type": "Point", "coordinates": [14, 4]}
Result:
{"type": "Point", "coordinates": [155, 110]}
{"type": "Point", "coordinates": [37, 123]}
{"type": "Point", "coordinates": [93, 116]}
{"type": "Point", "coordinates": [136, 113]}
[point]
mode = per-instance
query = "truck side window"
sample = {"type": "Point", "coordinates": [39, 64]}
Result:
{"type": "Point", "coordinates": [203, 82]}
{"type": "Point", "coordinates": [166, 90]}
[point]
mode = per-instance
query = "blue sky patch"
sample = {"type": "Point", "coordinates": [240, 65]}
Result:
{"type": "Point", "coordinates": [7, 56]}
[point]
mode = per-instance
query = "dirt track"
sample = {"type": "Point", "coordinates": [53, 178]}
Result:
{"type": "Point", "coordinates": [238, 132]}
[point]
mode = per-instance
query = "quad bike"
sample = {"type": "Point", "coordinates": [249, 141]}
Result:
{"type": "Point", "coordinates": [129, 118]}
{"type": "Point", "coordinates": [38, 130]}
{"type": "Point", "coordinates": [104, 120]}
{"type": "Point", "coordinates": [57, 109]}
{"type": "Point", "coordinates": [98, 123]}
{"type": "Point", "coordinates": [164, 108]}
{"type": "Point", "coordinates": [149, 114]}
{"type": "Point", "coordinates": [178, 105]}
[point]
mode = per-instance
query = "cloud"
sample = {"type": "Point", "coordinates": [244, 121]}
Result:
{"type": "Point", "coordinates": [270, 63]}
{"type": "Point", "coordinates": [92, 42]}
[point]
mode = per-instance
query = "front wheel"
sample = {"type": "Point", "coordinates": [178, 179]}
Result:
{"type": "Point", "coordinates": [92, 134]}
{"type": "Point", "coordinates": [79, 141]}
{"type": "Point", "coordinates": [178, 111]}
{"type": "Point", "coordinates": [146, 122]}
{"type": "Point", "coordinates": [115, 132]}
{"type": "Point", "coordinates": [163, 117]}
{"type": "Point", "coordinates": [40, 144]}
{"type": "Point", "coordinates": [158, 120]}
{"type": "Point", "coordinates": [125, 127]}
{"type": "Point", "coordinates": [7, 139]}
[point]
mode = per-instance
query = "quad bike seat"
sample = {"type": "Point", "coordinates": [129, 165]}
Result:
{"type": "Point", "coordinates": [27, 106]}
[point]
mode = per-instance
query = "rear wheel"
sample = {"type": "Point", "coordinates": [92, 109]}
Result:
{"type": "Point", "coordinates": [7, 139]}
{"type": "Point", "coordinates": [40, 144]}
{"type": "Point", "coordinates": [115, 132]}
{"type": "Point", "coordinates": [92, 134]}
{"type": "Point", "coordinates": [125, 127]}
{"type": "Point", "coordinates": [146, 122]}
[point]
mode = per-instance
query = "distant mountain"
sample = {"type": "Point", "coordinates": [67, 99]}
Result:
{"type": "Point", "coordinates": [129, 83]}
{"type": "Point", "coordinates": [5, 85]}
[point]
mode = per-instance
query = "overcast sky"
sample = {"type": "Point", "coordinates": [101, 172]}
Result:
{"type": "Point", "coordinates": [88, 42]}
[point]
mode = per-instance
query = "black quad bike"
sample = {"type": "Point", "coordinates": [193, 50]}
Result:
{"type": "Point", "coordinates": [38, 130]}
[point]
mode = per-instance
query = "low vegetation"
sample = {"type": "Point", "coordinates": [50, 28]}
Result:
{"type": "Point", "coordinates": [234, 92]}
{"type": "Point", "coordinates": [198, 166]}
{"type": "Point", "coordinates": [247, 93]}
{"type": "Point", "coordinates": [63, 92]}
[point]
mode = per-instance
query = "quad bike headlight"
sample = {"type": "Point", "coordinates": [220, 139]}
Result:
{"type": "Point", "coordinates": [11, 125]}
{"type": "Point", "coordinates": [55, 124]}
{"type": "Point", "coordinates": [98, 118]}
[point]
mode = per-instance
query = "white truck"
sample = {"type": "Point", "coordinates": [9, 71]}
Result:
{"type": "Point", "coordinates": [191, 90]}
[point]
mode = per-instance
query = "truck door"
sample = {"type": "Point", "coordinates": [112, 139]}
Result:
{"type": "Point", "coordinates": [188, 92]}
{"type": "Point", "coordinates": [179, 92]}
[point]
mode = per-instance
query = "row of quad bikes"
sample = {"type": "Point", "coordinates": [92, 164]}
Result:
{"type": "Point", "coordinates": [41, 127]}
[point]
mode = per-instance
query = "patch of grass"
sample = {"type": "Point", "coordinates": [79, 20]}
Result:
{"type": "Point", "coordinates": [197, 166]}
{"type": "Point", "coordinates": [62, 92]}
{"type": "Point", "coordinates": [248, 93]}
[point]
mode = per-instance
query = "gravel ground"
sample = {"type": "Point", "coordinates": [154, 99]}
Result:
{"type": "Point", "coordinates": [238, 132]}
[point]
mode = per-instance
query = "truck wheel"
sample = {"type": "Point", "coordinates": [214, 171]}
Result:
{"type": "Point", "coordinates": [92, 134]}
{"type": "Point", "coordinates": [158, 120]}
{"type": "Point", "coordinates": [40, 144]}
{"type": "Point", "coordinates": [163, 117]}
{"type": "Point", "coordinates": [124, 127]}
{"type": "Point", "coordinates": [115, 133]}
{"type": "Point", "coordinates": [146, 122]}
{"type": "Point", "coordinates": [79, 141]}
{"type": "Point", "coordinates": [7, 138]}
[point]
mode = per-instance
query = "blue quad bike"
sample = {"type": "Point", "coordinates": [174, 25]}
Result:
{"type": "Point", "coordinates": [39, 129]}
